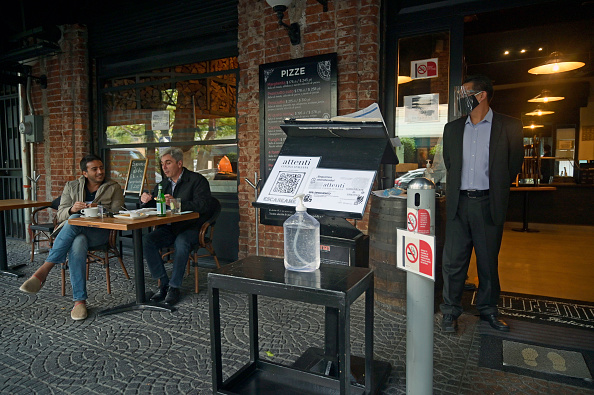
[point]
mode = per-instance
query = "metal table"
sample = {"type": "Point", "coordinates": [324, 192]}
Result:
{"type": "Point", "coordinates": [526, 190]}
{"type": "Point", "coordinates": [333, 286]}
{"type": "Point", "coordinates": [12, 204]}
{"type": "Point", "coordinates": [136, 226]}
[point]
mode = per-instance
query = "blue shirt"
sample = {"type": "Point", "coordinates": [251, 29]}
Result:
{"type": "Point", "coordinates": [475, 153]}
{"type": "Point", "coordinates": [173, 184]}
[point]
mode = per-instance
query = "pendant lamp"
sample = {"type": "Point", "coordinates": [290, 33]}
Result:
{"type": "Point", "coordinates": [546, 96]}
{"type": "Point", "coordinates": [556, 64]}
{"type": "Point", "coordinates": [538, 111]}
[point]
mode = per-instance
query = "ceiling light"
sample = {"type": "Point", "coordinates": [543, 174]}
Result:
{"type": "Point", "coordinates": [540, 49]}
{"type": "Point", "coordinates": [533, 126]}
{"type": "Point", "coordinates": [556, 64]}
{"type": "Point", "coordinates": [506, 53]}
{"type": "Point", "coordinates": [403, 79]}
{"type": "Point", "coordinates": [539, 112]}
{"type": "Point", "coordinates": [522, 51]}
{"type": "Point", "coordinates": [546, 96]}
{"type": "Point", "coordinates": [279, 7]}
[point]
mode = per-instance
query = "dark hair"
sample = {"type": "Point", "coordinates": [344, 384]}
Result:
{"type": "Point", "coordinates": [88, 158]}
{"type": "Point", "coordinates": [481, 82]}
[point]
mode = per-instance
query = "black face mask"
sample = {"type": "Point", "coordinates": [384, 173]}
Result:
{"type": "Point", "coordinates": [469, 103]}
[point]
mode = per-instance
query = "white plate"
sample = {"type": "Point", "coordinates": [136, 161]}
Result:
{"type": "Point", "coordinates": [124, 216]}
{"type": "Point", "coordinates": [184, 212]}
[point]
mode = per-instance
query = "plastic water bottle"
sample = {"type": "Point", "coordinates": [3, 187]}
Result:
{"type": "Point", "coordinates": [302, 240]}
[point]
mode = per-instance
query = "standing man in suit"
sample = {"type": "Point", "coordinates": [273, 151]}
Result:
{"type": "Point", "coordinates": [194, 191]}
{"type": "Point", "coordinates": [483, 153]}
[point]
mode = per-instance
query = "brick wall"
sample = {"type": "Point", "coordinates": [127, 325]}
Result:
{"type": "Point", "coordinates": [349, 28]}
{"type": "Point", "coordinates": [64, 106]}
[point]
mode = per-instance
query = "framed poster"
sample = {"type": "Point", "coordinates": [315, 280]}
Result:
{"type": "Point", "coordinates": [296, 88]}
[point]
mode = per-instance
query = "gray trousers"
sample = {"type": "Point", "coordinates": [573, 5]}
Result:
{"type": "Point", "coordinates": [471, 228]}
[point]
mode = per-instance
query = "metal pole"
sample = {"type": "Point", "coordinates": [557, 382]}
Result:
{"type": "Point", "coordinates": [419, 304]}
{"type": "Point", "coordinates": [255, 185]}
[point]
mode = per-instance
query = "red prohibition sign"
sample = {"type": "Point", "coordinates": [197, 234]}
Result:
{"type": "Point", "coordinates": [412, 222]}
{"type": "Point", "coordinates": [422, 69]}
{"type": "Point", "coordinates": [411, 253]}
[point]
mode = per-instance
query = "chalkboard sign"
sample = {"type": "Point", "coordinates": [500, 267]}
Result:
{"type": "Point", "coordinates": [136, 176]}
{"type": "Point", "coordinates": [296, 88]}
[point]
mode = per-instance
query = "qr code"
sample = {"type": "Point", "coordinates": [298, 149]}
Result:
{"type": "Point", "coordinates": [287, 183]}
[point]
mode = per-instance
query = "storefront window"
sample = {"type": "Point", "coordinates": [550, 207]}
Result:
{"type": "Point", "coordinates": [190, 106]}
{"type": "Point", "coordinates": [422, 102]}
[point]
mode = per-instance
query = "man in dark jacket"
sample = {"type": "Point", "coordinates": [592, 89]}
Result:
{"type": "Point", "coordinates": [194, 191]}
{"type": "Point", "coordinates": [482, 153]}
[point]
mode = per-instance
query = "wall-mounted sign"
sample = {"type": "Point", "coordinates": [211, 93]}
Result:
{"type": "Point", "coordinates": [160, 120]}
{"type": "Point", "coordinates": [296, 88]}
{"type": "Point", "coordinates": [421, 108]}
{"type": "Point", "coordinates": [425, 68]}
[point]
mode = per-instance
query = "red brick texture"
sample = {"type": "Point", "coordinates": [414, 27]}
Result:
{"type": "Point", "coordinates": [351, 29]}
{"type": "Point", "coordinates": [64, 106]}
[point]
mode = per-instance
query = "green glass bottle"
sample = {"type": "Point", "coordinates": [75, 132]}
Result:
{"type": "Point", "coordinates": [161, 207]}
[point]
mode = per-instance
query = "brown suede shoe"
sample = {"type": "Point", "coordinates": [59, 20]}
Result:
{"type": "Point", "coordinates": [79, 312]}
{"type": "Point", "coordinates": [32, 285]}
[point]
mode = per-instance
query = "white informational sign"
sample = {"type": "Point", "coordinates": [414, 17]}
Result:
{"type": "Point", "coordinates": [425, 68]}
{"type": "Point", "coordinates": [416, 253]}
{"type": "Point", "coordinates": [421, 108]}
{"type": "Point", "coordinates": [160, 120]}
{"type": "Point", "coordinates": [339, 190]}
{"type": "Point", "coordinates": [324, 189]}
{"type": "Point", "coordinates": [288, 178]}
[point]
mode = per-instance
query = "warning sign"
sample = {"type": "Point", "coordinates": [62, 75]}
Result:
{"type": "Point", "coordinates": [418, 220]}
{"type": "Point", "coordinates": [416, 253]}
{"type": "Point", "coordinates": [426, 68]}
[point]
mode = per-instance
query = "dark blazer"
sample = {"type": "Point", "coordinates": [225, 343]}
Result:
{"type": "Point", "coordinates": [506, 155]}
{"type": "Point", "coordinates": [194, 191]}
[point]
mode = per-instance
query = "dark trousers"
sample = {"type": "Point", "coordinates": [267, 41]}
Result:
{"type": "Point", "coordinates": [472, 227]}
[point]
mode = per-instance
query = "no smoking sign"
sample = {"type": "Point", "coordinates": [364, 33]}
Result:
{"type": "Point", "coordinates": [416, 253]}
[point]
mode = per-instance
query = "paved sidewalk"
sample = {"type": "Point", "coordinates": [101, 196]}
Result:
{"type": "Point", "coordinates": [45, 352]}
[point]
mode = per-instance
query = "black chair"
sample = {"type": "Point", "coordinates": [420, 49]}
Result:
{"type": "Point", "coordinates": [204, 241]}
{"type": "Point", "coordinates": [42, 231]}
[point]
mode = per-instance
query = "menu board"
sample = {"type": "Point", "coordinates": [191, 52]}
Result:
{"type": "Point", "coordinates": [296, 88]}
{"type": "Point", "coordinates": [136, 175]}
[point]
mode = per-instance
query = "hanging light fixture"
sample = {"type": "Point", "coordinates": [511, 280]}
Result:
{"type": "Point", "coordinates": [546, 96]}
{"type": "Point", "coordinates": [533, 126]}
{"type": "Point", "coordinates": [556, 64]}
{"type": "Point", "coordinates": [403, 79]}
{"type": "Point", "coordinates": [538, 111]}
{"type": "Point", "coordinates": [279, 7]}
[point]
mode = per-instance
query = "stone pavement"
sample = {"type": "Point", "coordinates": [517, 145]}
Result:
{"type": "Point", "coordinates": [148, 352]}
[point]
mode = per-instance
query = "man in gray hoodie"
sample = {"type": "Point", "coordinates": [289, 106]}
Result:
{"type": "Point", "coordinates": [91, 189]}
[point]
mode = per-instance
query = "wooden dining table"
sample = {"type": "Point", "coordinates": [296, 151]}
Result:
{"type": "Point", "coordinates": [136, 226]}
{"type": "Point", "coordinates": [12, 204]}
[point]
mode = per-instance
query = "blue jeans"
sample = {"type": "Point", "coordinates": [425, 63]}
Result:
{"type": "Point", "coordinates": [163, 237]}
{"type": "Point", "coordinates": [75, 241]}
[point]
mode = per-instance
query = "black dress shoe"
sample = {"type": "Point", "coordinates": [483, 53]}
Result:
{"type": "Point", "coordinates": [449, 323]}
{"type": "Point", "coordinates": [496, 323]}
{"type": "Point", "coordinates": [160, 295]}
{"type": "Point", "coordinates": [173, 295]}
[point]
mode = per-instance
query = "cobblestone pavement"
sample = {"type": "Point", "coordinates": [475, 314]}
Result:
{"type": "Point", "coordinates": [45, 352]}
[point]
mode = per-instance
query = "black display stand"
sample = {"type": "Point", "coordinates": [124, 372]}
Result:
{"type": "Point", "coordinates": [336, 288]}
{"type": "Point", "coordinates": [360, 145]}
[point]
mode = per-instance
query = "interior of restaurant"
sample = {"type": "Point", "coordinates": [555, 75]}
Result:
{"type": "Point", "coordinates": [556, 108]}
{"type": "Point", "coordinates": [507, 45]}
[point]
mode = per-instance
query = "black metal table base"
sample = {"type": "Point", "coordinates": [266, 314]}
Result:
{"type": "Point", "coordinates": [10, 273]}
{"type": "Point", "coordinates": [6, 270]}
